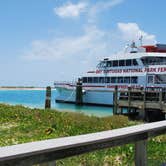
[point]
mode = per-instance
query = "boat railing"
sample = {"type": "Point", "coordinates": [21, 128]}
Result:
{"type": "Point", "coordinates": [59, 83]}
{"type": "Point", "coordinates": [148, 94]}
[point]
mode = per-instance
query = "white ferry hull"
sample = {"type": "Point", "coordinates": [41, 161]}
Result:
{"type": "Point", "coordinates": [90, 97]}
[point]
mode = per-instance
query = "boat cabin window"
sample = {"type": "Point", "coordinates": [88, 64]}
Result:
{"type": "Point", "coordinates": [109, 63]}
{"type": "Point", "coordinates": [128, 62]}
{"type": "Point", "coordinates": [154, 60]}
{"type": "Point", "coordinates": [160, 79]}
{"type": "Point", "coordinates": [120, 80]}
{"type": "Point", "coordinates": [90, 80]}
{"type": "Point", "coordinates": [95, 79]}
{"type": "Point", "coordinates": [113, 80]}
{"type": "Point", "coordinates": [150, 79]}
{"type": "Point", "coordinates": [107, 79]}
{"type": "Point", "coordinates": [121, 63]}
{"type": "Point", "coordinates": [134, 62]}
{"type": "Point", "coordinates": [117, 63]}
{"type": "Point", "coordinates": [85, 79]}
{"type": "Point", "coordinates": [126, 79]}
{"type": "Point", "coordinates": [101, 79]}
{"type": "Point", "coordinates": [102, 64]}
{"type": "Point", "coordinates": [134, 80]}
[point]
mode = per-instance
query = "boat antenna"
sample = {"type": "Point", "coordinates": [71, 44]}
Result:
{"type": "Point", "coordinates": [140, 39]}
{"type": "Point", "coordinates": [126, 48]}
{"type": "Point", "coordinates": [133, 47]}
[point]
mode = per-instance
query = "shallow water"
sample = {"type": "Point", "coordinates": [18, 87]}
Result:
{"type": "Point", "coordinates": [36, 99]}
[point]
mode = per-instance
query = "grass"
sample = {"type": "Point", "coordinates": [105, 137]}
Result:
{"type": "Point", "coordinates": [19, 125]}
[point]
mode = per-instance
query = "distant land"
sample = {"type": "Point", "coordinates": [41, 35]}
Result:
{"type": "Point", "coordinates": [21, 88]}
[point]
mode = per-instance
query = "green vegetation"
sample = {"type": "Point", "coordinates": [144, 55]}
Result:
{"type": "Point", "coordinates": [19, 124]}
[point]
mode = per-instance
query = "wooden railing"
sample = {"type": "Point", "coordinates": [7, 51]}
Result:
{"type": "Point", "coordinates": [51, 150]}
{"type": "Point", "coordinates": [142, 101]}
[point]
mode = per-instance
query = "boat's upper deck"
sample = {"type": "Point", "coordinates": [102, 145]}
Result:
{"type": "Point", "coordinates": [137, 55]}
{"type": "Point", "coordinates": [133, 52]}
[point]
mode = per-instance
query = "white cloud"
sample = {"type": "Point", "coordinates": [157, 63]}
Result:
{"type": "Point", "coordinates": [73, 55]}
{"type": "Point", "coordinates": [70, 10]}
{"type": "Point", "coordinates": [93, 43]}
{"type": "Point", "coordinates": [101, 6]}
{"type": "Point", "coordinates": [90, 44]}
{"type": "Point", "coordinates": [131, 31]}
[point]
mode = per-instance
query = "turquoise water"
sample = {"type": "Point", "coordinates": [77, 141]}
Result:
{"type": "Point", "coordinates": [36, 99]}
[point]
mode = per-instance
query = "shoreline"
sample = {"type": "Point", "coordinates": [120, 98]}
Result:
{"type": "Point", "coordinates": [23, 88]}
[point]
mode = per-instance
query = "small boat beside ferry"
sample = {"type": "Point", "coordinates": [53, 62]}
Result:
{"type": "Point", "coordinates": [137, 67]}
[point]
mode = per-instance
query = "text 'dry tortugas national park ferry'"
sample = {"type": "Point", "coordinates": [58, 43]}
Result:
{"type": "Point", "coordinates": [143, 66]}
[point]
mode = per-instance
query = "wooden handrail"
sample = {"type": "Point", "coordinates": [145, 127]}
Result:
{"type": "Point", "coordinates": [48, 150]}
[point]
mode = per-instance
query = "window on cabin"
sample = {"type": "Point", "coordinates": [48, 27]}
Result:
{"type": "Point", "coordinates": [127, 80]}
{"type": "Point", "coordinates": [120, 80]}
{"type": "Point", "coordinates": [121, 62]}
{"type": "Point", "coordinates": [102, 64]}
{"type": "Point", "coordinates": [84, 80]}
{"type": "Point", "coordinates": [95, 79]}
{"type": "Point", "coordinates": [128, 62]}
{"type": "Point", "coordinates": [154, 60]}
{"type": "Point", "coordinates": [134, 80]}
{"type": "Point", "coordinates": [101, 79]}
{"type": "Point", "coordinates": [115, 63]}
{"type": "Point", "coordinates": [113, 80]}
{"type": "Point", "coordinates": [90, 80]}
{"type": "Point", "coordinates": [160, 79]}
{"type": "Point", "coordinates": [107, 79]}
{"type": "Point", "coordinates": [135, 62]}
{"type": "Point", "coordinates": [109, 63]}
{"type": "Point", "coordinates": [150, 79]}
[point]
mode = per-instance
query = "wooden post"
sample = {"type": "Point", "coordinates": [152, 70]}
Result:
{"type": "Point", "coordinates": [141, 153]}
{"type": "Point", "coordinates": [121, 111]}
{"type": "Point", "coordinates": [144, 112]}
{"type": "Point", "coordinates": [129, 99]}
{"type": "Point", "coordinates": [51, 163]}
{"type": "Point", "coordinates": [160, 96]}
{"type": "Point", "coordinates": [48, 98]}
{"type": "Point", "coordinates": [115, 102]}
{"type": "Point", "coordinates": [79, 95]}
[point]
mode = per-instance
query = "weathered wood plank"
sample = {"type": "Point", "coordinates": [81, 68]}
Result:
{"type": "Point", "coordinates": [141, 153]}
{"type": "Point", "coordinates": [53, 149]}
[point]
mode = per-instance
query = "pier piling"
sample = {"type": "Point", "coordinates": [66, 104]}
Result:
{"type": "Point", "coordinates": [115, 100]}
{"type": "Point", "coordinates": [129, 99]}
{"type": "Point", "coordinates": [48, 98]}
{"type": "Point", "coordinates": [79, 95]}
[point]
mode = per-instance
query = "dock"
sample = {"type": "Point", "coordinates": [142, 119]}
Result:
{"type": "Point", "coordinates": [149, 103]}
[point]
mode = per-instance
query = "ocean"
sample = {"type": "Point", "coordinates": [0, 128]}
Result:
{"type": "Point", "coordinates": [36, 99]}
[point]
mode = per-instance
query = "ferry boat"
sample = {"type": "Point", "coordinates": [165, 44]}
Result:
{"type": "Point", "coordinates": [137, 67]}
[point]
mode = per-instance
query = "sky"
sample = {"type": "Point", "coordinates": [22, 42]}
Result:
{"type": "Point", "coordinates": [42, 41]}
